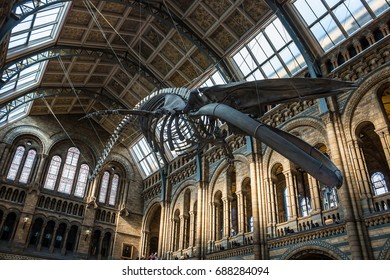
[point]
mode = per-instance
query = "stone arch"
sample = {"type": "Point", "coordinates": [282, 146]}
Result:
{"type": "Point", "coordinates": [40, 136]}
{"type": "Point", "coordinates": [314, 246]}
{"type": "Point", "coordinates": [370, 84]}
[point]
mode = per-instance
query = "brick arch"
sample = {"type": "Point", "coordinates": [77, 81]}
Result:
{"type": "Point", "coordinates": [41, 136]}
{"type": "Point", "coordinates": [314, 246]}
{"type": "Point", "coordinates": [372, 83]}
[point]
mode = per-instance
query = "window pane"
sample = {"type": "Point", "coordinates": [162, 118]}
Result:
{"type": "Point", "coordinates": [69, 171]}
{"type": "Point", "coordinates": [104, 187]}
{"type": "Point", "coordinates": [378, 6]}
{"type": "Point", "coordinates": [13, 170]}
{"type": "Point", "coordinates": [52, 174]}
{"type": "Point", "coordinates": [28, 164]}
{"type": "Point", "coordinates": [114, 189]}
{"type": "Point", "coordinates": [82, 181]}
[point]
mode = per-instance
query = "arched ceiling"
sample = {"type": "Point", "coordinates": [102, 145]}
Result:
{"type": "Point", "coordinates": [125, 50]}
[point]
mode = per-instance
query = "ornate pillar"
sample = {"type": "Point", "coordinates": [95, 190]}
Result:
{"type": "Point", "coordinates": [63, 249]}
{"type": "Point", "coordinates": [53, 239]}
{"type": "Point", "coordinates": [192, 227]}
{"type": "Point", "coordinates": [183, 231]}
{"type": "Point", "coordinates": [37, 176]}
{"type": "Point", "coordinates": [385, 140]}
{"type": "Point", "coordinates": [101, 237]}
{"type": "Point", "coordinates": [226, 217]}
{"type": "Point", "coordinates": [291, 195]}
{"type": "Point", "coordinates": [314, 194]}
{"type": "Point", "coordinates": [240, 212]}
{"type": "Point", "coordinates": [4, 157]}
{"type": "Point", "coordinates": [41, 236]}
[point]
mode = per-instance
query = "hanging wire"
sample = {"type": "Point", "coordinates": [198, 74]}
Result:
{"type": "Point", "coordinates": [62, 127]}
{"type": "Point", "coordinates": [67, 76]}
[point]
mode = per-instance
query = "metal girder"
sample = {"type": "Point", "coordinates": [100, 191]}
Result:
{"type": "Point", "coordinates": [159, 11]}
{"type": "Point", "coordinates": [14, 67]}
{"type": "Point", "coordinates": [42, 92]}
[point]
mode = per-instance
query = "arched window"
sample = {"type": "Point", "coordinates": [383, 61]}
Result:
{"type": "Point", "coordinates": [379, 183]}
{"type": "Point", "coordinates": [329, 197]}
{"type": "Point", "coordinates": [114, 189]}
{"type": "Point", "coordinates": [82, 180]}
{"type": "Point", "coordinates": [109, 185]}
{"type": "Point", "coordinates": [104, 187]}
{"type": "Point", "coordinates": [51, 177]}
{"type": "Point", "coordinates": [13, 170]}
{"type": "Point", "coordinates": [69, 171]}
{"type": "Point", "coordinates": [28, 164]}
{"type": "Point", "coordinates": [17, 162]}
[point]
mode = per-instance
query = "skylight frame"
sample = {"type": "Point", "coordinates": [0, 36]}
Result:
{"type": "Point", "coordinates": [271, 53]}
{"type": "Point", "coordinates": [333, 21]}
{"type": "Point", "coordinates": [36, 23]}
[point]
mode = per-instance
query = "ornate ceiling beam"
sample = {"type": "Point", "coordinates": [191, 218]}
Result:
{"type": "Point", "coordinates": [14, 67]}
{"type": "Point", "coordinates": [158, 10]}
{"type": "Point", "coordinates": [43, 92]}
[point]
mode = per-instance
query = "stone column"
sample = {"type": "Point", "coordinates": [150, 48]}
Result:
{"type": "Point", "coordinates": [37, 176]}
{"type": "Point", "coordinates": [291, 195]}
{"type": "Point", "coordinates": [63, 249]}
{"type": "Point", "coordinates": [226, 217]}
{"type": "Point", "coordinates": [385, 140]}
{"type": "Point", "coordinates": [314, 194]}
{"type": "Point", "coordinates": [356, 239]}
{"type": "Point", "coordinates": [101, 237]}
{"type": "Point", "coordinates": [200, 234]}
{"type": "Point", "coordinates": [53, 239]}
{"type": "Point", "coordinates": [41, 236]}
{"type": "Point", "coordinates": [5, 148]}
{"type": "Point", "coordinates": [183, 231]}
{"type": "Point", "coordinates": [240, 213]}
{"type": "Point", "coordinates": [192, 227]}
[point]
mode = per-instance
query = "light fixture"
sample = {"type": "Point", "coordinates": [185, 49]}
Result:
{"type": "Point", "coordinates": [87, 233]}
{"type": "Point", "coordinates": [25, 220]}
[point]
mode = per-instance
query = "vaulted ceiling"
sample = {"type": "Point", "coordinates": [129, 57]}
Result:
{"type": "Point", "coordinates": [111, 54]}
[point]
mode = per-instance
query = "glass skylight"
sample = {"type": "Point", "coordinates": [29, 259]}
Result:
{"type": "Point", "coordinates": [332, 21]}
{"type": "Point", "coordinates": [37, 29]}
{"type": "Point", "coordinates": [34, 31]}
{"type": "Point", "coordinates": [271, 54]}
{"type": "Point", "coordinates": [214, 79]}
{"type": "Point", "coordinates": [145, 158]}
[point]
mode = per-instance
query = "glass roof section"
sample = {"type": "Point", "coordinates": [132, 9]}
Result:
{"type": "Point", "coordinates": [271, 54]}
{"type": "Point", "coordinates": [37, 29]}
{"type": "Point", "coordinates": [332, 21]}
{"type": "Point", "coordinates": [145, 158]}
{"type": "Point", "coordinates": [34, 31]}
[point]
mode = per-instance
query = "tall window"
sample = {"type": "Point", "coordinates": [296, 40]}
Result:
{"type": "Point", "coordinates": [146, 160]}
{"type": "Point", "coordinates": [114, 189]}
{"type": "Point", "coordinates": [82, 181]}
{"type": "Point", "coordinates": [109, 185]}
{"type": "Point", "coordinates": [23, 161]}
{"type": "Point", "coordinates": [329, 197]}
{"type": "Point", "coordinates": [332, 21]}
{"type": "Point", "coordinates": [379, 183]}
{"type": "Point", "coordinates": [52, 174]}
{"type": "Point", "coordinates": [70, 170]}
